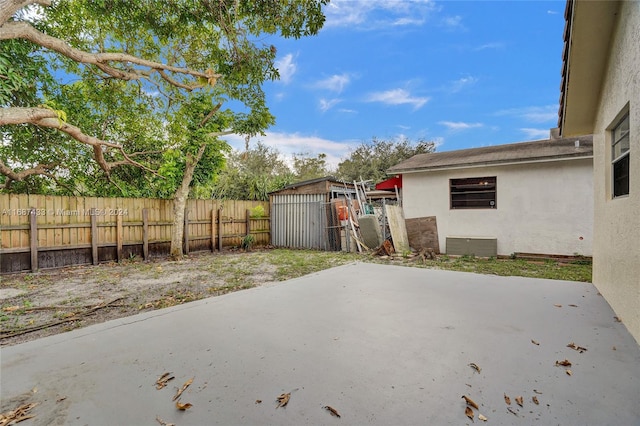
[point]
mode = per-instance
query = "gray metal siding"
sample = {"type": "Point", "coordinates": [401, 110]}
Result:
{"type": "Point", "coordinates": [298, 221]}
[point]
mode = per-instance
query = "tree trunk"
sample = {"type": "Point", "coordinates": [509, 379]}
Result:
{"type": "Point", "coordinates": [180, 203]}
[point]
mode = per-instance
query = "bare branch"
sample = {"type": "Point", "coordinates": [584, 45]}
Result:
{"type": "Point", "coordinates": [23, 30]}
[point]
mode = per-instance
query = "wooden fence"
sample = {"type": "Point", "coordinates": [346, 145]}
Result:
{"type": "Point", "coordinates": [38, 231]}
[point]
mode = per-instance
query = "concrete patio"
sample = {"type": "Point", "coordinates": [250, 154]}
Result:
{"type": "Point", "coordinates": [383, 345]}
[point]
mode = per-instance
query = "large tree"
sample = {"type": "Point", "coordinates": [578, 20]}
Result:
{"type": "Point", "coordinates": [251, 175]}
{"type": "Point", "coordinates": [370, 161]}
{"type": "Point", "coordinates": [186, 60]}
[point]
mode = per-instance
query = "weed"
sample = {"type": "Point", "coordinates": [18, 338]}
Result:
{"type": "Point", "coordinates": [248, 241]}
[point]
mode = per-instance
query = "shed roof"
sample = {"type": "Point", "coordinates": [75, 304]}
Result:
{"type": "Point", "coordinates": [522, 152]}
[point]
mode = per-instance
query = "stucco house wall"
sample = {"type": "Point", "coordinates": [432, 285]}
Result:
{"type": "Point", "coordinates": [616, 267]}
{"type": "Point", "coordinates": [544, 207]}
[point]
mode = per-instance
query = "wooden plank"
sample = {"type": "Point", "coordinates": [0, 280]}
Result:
{"type": "Point", "coordinates": [145, 234]}
{"type": "Point", "coordinates": [185, 234]}
{"type": "Point", "coordinates": [220, 229]}
{"type": "Point", "coordinates": [119, 238]}
{"type": "Point", "coordinates": [94, 237]}
{"type": "Point", "coordinates": [213, 229]}
{"type": "Point", "coordinates": [248, 221]}
{"type": "Point", "coordinates": [422, 233]}
{"type": "Point", "coordinates": [33, 245]}
{"type": "Point", "coordinates": [398, 228]}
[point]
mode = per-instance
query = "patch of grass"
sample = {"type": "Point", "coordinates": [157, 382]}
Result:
{"type": "Point", "coordinates": [520, 268]}
{"type": "Point", "coordinates": [295, 263]}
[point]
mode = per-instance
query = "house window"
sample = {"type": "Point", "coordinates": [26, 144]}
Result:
{"type": "Point", "coordinates": [620, 157]}
{"type": "Point", "coordinates": [473, 193]}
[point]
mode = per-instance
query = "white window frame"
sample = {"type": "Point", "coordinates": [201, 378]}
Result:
{"type": "Point", "coordinates": [619, 138]}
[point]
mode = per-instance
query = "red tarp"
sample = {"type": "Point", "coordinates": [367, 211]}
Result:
{"type": "Point", "coordinates": [390, 184]}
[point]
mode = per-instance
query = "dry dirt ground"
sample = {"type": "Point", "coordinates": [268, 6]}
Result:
{"type": "Point", "coordinates": [55, 301]}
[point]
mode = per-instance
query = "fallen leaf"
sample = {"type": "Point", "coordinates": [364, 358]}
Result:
{"type": "Point", "coordinates": [614, 348]}
{"type": "Point", "coordinates": [507, 399]}
{"type": "Point", "coordinates": [564, 363]}
{"type": "Point", "coordinates": [519, 400]}
{"type": "Point", "coordinates": [569, 373]}
{"type": "Point", "coordinates": [538, 392]}
{"type": "Point", "coordinates": [183, 388]}
{"type": "Point", "coordinates": [509, 409]}
{"type": "Point", "coordinates": [470, 402]}
{"type": "Point", "coordinates": [258, 401]}
{"type": "Point", "coordinates": [475, 367]}
{"type": "Point", "coordinates": [332, 410]}
{"type": "Point", "coordinates": [535, 343]}
{"type": "Point", "coordinates": [535, 400]}
{"type": "Point", "coordinates": [162, 422]}
{"type": "Point", "coordinates": [618, 319]}
{"type": "Point", "coordinates": [483, 418]}
{"type": "Point", "coordinates": [182, 407]}
{"type": "Point", "coordinates": [11, 308]}
{"type": "Point", "coordinates": [576, 347]}
{"type": "Point", "coordinates": [62, 398]}
{"type": "Point", "coordinates": [557, 306]}
{"type": "Point", "coordinates": [17, 415]}
{"type": "Point", "coordinates": [469, 412]}
{"type": "Point", "coordinates": [573, 306]}
{"type": "Point", "coordinates": [163, 380]}
{"type": "Point", "coordinates": [283, 399]}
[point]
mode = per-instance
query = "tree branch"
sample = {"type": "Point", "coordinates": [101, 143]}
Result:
{"type": "Point", "coordinates": [24, 30]}
{"type": "Point", "coordinates": [48, 118]}
{"type": "Point", "coordinates": [10, 7]}
{"type": "Point", "coordinates": [40, 169]}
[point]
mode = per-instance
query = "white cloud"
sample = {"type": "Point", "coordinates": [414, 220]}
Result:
{"type": "Point", "coordinates": [535, 134]}
{"type": "Point", "coordinates": [552, 12]}
{"type": "Point", "coordinates": [335, 83]}
{"type": "Point", "coordinates": [397, 97]}
{"type": "Point", "coordinates": [327, 104]}
{"type": "Point", "coordinates": [286, 67]}
{"type": "Point", "coordinates": [461, 83]}
{"type": "Point", "coordinates": [375, 14]}
{"type": "Point", "coordinates": [458, 126]}
{"type": "Point", "coordinates": [493, 45]}
{"type": "Point", "coordinates": [453, 22]}
{"type": "Point", "coordinates": [288, 144]}
{"type": "Point", "coordinates": [534, 114]}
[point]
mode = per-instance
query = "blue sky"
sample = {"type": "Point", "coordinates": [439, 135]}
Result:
{"type": "Point", "coordinates": [463, 74]}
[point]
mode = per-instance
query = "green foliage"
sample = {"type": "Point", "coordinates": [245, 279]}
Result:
{"type": "Point", "coordinates": [252, 175]}
{"type": "Point", "coordinates": [306, 167]}
{"type": "Point", "coordinates": [160, 118]}
{"type": "Point", "coordinates": [370, 161]}
{"type": "Point", "coordinates": [247, 242]}
{"type": "Point", "coordinates": [257, 211]}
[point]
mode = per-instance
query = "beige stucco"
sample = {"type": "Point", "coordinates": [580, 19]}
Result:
{"type": "Point", "coordinates": [544, 208]}
{"type": "Point", "coordinates": [616, 268]}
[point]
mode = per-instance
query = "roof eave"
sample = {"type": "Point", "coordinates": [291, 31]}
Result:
{"type": "Point", "coordinates": [490, 164]}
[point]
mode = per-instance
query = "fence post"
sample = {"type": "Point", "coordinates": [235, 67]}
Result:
{"type": "Point", "coordinates": [185, 233]}
{"type": "Point", "coordinates": [248, 222]}
{"type": "Point", "coordinates": [220, 229]}
{"type": "Point", "coordinates": [119, 237]}
{"type": "Point", "coordinates": [94, 236]}
{"type": "Point", "coordinates": [33, 237]}
{"type": "Point", "coordinates": [145, 234]}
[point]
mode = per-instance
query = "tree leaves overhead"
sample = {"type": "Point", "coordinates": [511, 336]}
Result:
{"type": "Point", "coordinates": [142, 57]}
{"type": "Point", "coordinates": [370, 161]}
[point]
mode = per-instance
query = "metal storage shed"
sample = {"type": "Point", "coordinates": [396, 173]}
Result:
{"type": "Point", "coordinates": [305, 214]}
